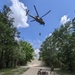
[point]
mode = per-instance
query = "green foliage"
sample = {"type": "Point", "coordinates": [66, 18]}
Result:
{"type": "Point", "coordinates": [8, 45]}
{"type": "Point", "coordinates": [13, 71]}
{"type": "Point", "coordinates": [12, 52]}
{"type": "Point", "coordinates": [26, 52]}
{"type": "Point", "coordinates": [59, 48]}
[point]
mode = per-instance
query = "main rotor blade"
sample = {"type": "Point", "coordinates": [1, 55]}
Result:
{"type": "Point", "coordinates": [36, 10]}
{"type": "Point", "coordinates": [46, 13]}
{"type": "Point", "coordinates": [32, 20]}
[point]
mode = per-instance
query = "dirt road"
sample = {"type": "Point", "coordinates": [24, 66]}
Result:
{"type": "Point", "coordinates": [35, 66]}
{"type": "Point", "coordinates": [34, 70]}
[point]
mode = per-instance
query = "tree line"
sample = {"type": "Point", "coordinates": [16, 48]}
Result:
{"type": "Point", "coordinates": [12, 52]}
{"type": "Point", "coordinates": [59, 48]}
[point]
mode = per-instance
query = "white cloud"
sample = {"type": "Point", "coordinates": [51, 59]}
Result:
{"type": "Point", "coordinates": [64, 19]}
{"type": "Point", "coordinates": [19, 14]}
{"type": "Point", "coordinates": [50, 34]}
{"type": "Point", "coordinates": [16, 38]}
{"type": "Point", "coordinates": [35, 43]}
{"type": "Point", "coordinates": [37, 52]}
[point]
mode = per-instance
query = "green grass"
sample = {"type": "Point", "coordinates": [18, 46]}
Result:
{"type": "Point", "coordinates": [61, 72]}
{"type": "Point", "coordinates": [13, 71]}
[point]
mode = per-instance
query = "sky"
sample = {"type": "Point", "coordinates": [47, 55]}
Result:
{"type": "Point", "coordinates": [61, 12]}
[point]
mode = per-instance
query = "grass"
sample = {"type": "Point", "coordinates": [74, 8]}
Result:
{"type": "Point", "coordinates": [13, 71]}
{"type": "Point", "coordinates": [61, 72]}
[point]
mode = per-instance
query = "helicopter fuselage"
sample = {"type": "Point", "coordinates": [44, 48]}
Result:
{"type": "Point", "coordinates": [38, 19]}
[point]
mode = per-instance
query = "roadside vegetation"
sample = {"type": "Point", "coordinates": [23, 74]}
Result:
{"type": "Point", "coordinates": [13, 52]}
{"type": "Point", "coordinates": [13, 71]}
{"type": "Point", "coordinates": [59, 48]}
{"type": "Point", "coordinates": [62, 72]}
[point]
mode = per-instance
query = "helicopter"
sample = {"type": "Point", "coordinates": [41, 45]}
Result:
{"type": "Point", "coordinates": [37, 18]}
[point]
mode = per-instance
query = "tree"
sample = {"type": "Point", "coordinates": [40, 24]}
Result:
{"type": "Point", "coordinates": [60, 46]}
{"type": "Point", "coordinates": [8, 44]}
{"type": "Point", "coordinates": [48, 51]}
{"type": "Point", "coordinates": [26, 52]}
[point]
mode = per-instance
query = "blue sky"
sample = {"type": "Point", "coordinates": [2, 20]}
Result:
{"type": "Point", "coordinates": [61, 10]}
